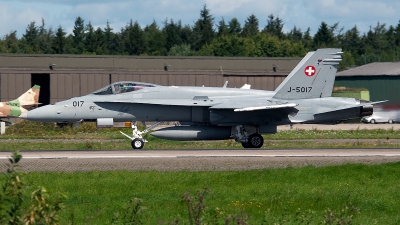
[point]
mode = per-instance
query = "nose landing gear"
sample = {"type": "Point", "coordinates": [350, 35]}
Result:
{"type": "Point", "coordinates": [137, 138]}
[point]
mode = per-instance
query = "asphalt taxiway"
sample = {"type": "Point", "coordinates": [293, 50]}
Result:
{"type": "Point", "coordinates": [195, 160]}
{"type": "Point", "coordinates": [206, 160]}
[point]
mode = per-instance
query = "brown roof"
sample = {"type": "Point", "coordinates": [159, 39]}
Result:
{"type": "Point", "coordinates": [373, 69]}
{"type": "Point", "coordinates": [9, 62]}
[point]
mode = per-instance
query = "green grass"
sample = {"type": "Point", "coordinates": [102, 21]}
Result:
{"type": "Point", "coordinates": [335, 134]}
{"type": "Point", "coordinates": [278, 196]}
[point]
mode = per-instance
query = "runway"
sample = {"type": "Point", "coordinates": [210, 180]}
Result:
{"type": "Point", "coordinates": [194, 160]}
{"type": "Point", "coordinates": [113, 154]}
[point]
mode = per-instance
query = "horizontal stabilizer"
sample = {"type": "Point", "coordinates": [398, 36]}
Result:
{"type": "Point", "coordinates": [353, 106]}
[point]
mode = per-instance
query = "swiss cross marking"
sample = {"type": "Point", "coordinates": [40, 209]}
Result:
{"type": "Point", "coordinates": [309, 71]}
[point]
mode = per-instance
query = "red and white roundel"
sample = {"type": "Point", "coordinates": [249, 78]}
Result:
{"type": "Point", "coordinates": [309, 71]}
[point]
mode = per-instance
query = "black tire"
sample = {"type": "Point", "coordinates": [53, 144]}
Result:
{"type": "Point", "coordinates": [246, 145]}
{"type": "Point", "coordinates": [137, 143]}
{"type": "Point", "coordinates": [373, 121]}
{"type": "Point", "coordinates": [255, 141]}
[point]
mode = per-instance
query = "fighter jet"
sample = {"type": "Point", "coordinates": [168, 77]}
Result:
{"type": "Point", "coordinates": [25, 102]}
{"type": "Point", "coordinates": [216, 113]}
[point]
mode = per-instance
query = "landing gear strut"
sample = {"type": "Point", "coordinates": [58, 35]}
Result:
{"type": "Point", "coordinates": [137, 138]}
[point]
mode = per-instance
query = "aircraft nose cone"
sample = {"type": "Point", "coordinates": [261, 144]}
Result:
{"type": "Point", "coordinates": [24, 116]}
{"type": "Point", "coordinates": [42, 114]}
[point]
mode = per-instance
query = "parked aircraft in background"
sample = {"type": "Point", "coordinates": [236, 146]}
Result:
{"type": "Point", "coordinates": [217, 113]}
{"type": "Point", "coordinates": [25, 102]}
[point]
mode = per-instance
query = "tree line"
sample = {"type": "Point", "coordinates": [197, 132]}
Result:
{"type": "Point", "coordinates": [227, 38]}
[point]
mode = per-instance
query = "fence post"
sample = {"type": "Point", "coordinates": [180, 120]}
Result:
{"type": "Point", "coordinates": [3, 127]}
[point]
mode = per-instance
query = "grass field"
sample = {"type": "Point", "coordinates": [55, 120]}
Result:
{"type": "Point", "coordinates": [352, 194]}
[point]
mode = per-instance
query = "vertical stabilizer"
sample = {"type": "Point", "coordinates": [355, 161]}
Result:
{"type": "Point", "coordinates": [313, 77]}
{"type": "Point", "coordinates": [20, 105]}
{"type": "Point", "coordinates": [30, 97]}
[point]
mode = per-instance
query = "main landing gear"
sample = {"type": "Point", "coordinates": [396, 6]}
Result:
{"type": "Point", "coordinates": [255, 140]}
{"type": "Point", "coordinates": [137, 138]}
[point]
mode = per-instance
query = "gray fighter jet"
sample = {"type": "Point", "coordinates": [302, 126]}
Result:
{"type": "Point", "coordinates": [216, 113]}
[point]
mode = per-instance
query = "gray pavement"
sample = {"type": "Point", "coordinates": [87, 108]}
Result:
{"type": "Point", "coordinates": [194, 160]}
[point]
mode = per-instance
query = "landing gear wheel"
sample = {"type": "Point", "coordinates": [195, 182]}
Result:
{"type": "Point", "coordinates": [255, 141]}
{"type": "Point", "coordinates": [373, 121]}
{"type": "Point", "coordinates": [390, 121]}
{"type": "Point", "coordinates": [246, 145]}
{"type": "Point", "coordinates": [137, 143]}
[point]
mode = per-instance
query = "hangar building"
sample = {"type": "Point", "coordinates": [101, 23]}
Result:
{"type": "Point", "coordinates": [382, 79]}
{"type": "Point", "coordinates": [65, 76]}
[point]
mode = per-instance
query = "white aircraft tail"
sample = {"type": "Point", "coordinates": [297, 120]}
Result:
{"type": "Point", "coordinates": [313, 77]}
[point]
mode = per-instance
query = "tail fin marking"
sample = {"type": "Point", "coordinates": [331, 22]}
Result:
{"type": "Point", "coordinates": [313, 77]}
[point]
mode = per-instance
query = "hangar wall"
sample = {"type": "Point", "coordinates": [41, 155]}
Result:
{"type": "Point", "coordinates": [12, 85]}
{"type": "Point", "coordinates": [63, 85]}
{"type": "Point", "coordinates": [380, 87]}
{"type": "Point", "coordinates": [76, 75]}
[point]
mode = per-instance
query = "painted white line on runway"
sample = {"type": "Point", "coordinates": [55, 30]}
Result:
{"type": "Point", "coordinates": [205, 156]}
{"type": "Point", "coordinates": [98, 157]}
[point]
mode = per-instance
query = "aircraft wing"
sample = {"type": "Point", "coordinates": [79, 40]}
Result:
{"type": "Point", "coordinates": [253, 105]}
{"type": "Point", "coordinates": [235, 105]}
{"type": "Point", "coordinates": [176, 102]}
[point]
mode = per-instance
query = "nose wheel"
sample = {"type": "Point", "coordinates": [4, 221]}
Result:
{"type": "Point", "coordinates": [137, 143]}
{"type": "Point", "coordinates": [137, 138]}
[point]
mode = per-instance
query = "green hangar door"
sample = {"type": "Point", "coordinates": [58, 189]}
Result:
{"type": "Point", "coordinates": [42, 79]}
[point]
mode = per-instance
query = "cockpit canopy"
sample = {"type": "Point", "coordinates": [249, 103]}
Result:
{"type": "Point", "coordinates": [122, 87]}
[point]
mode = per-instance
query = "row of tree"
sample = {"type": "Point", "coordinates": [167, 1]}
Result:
{"type": "Point", "coordinates": [229, 38]}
